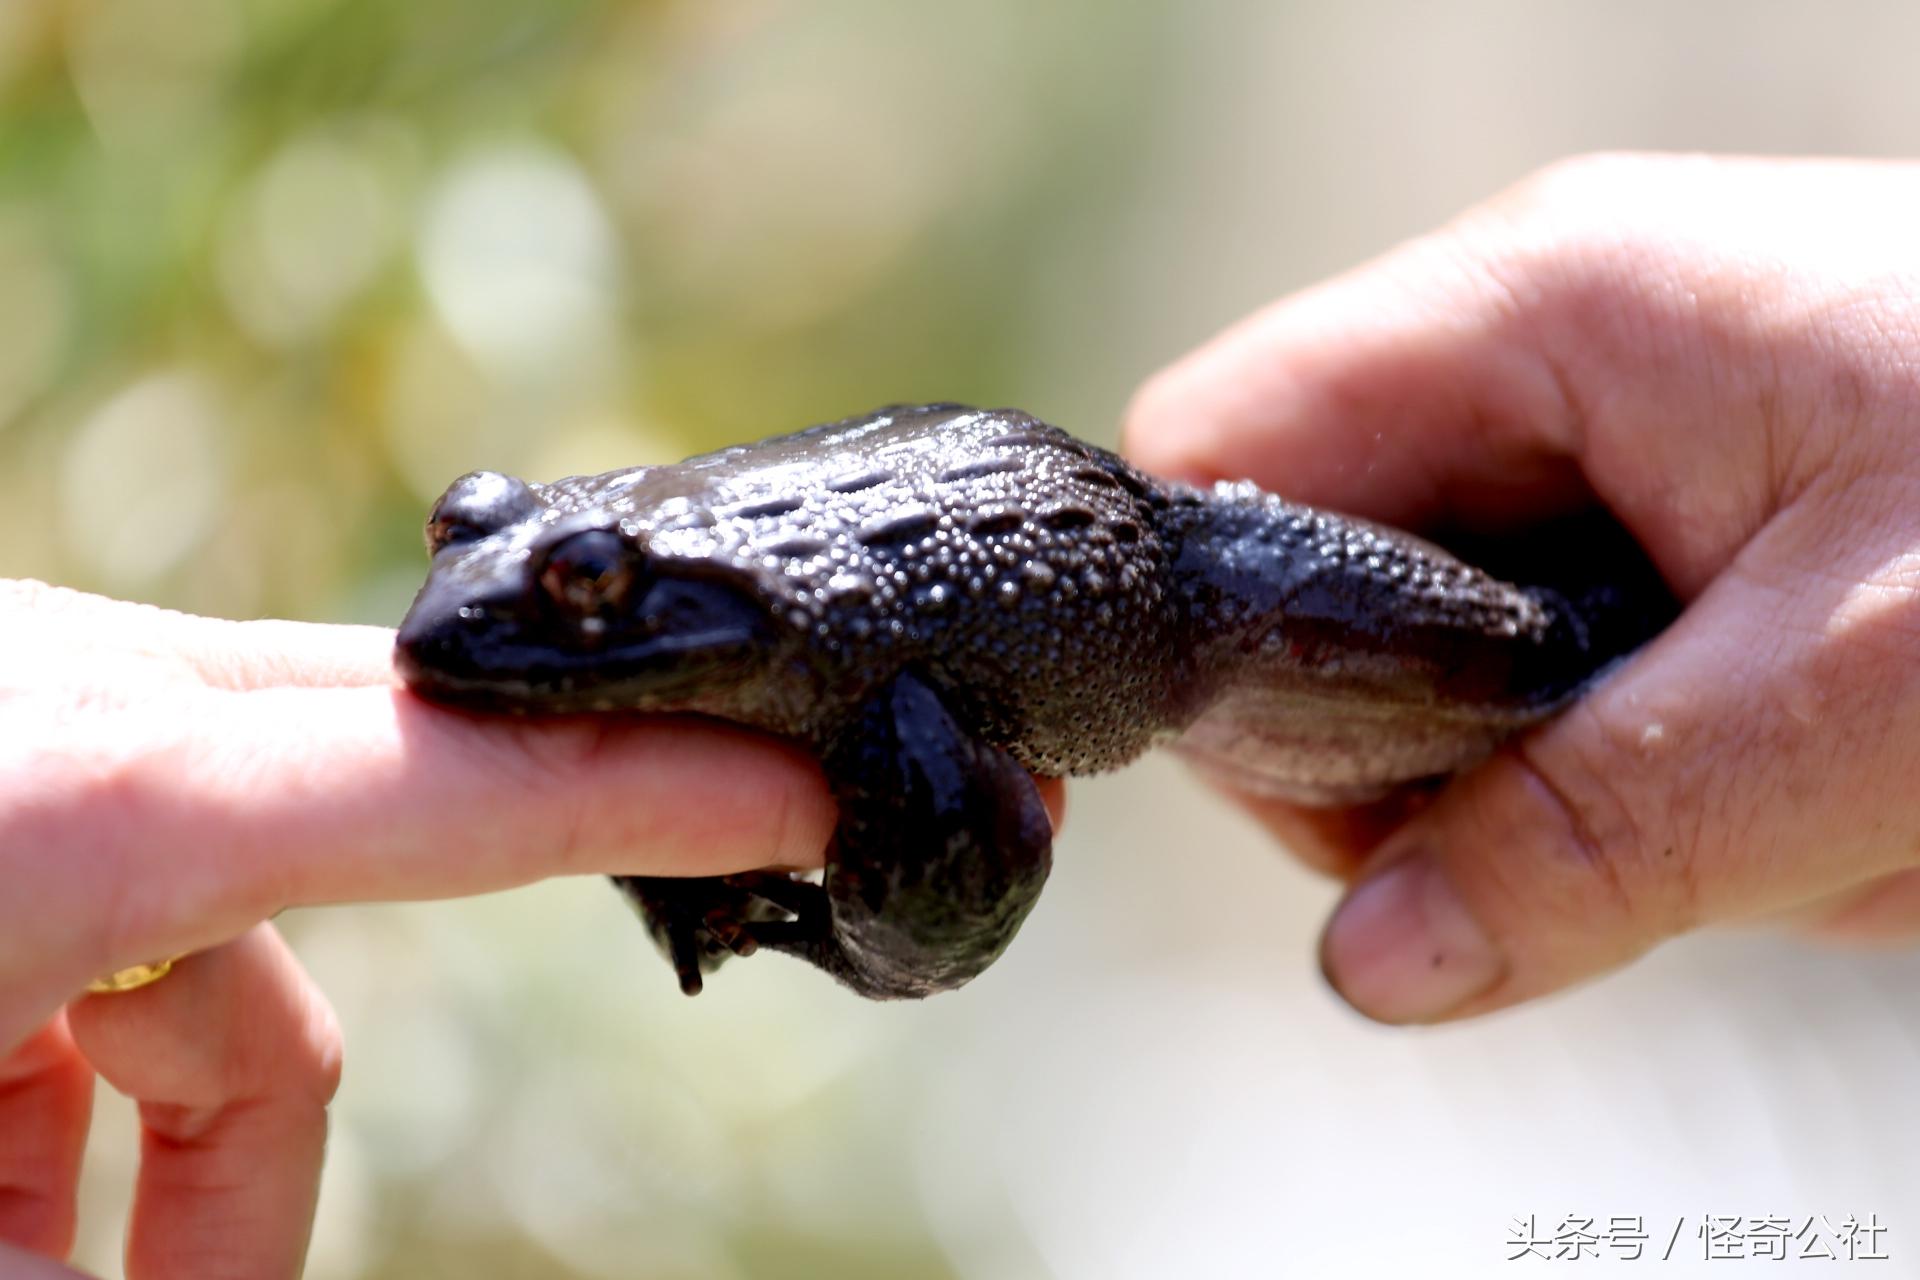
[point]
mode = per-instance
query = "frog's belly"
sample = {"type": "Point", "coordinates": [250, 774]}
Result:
{"type": "Point", "coordinates": [1316, 750]}
{"type": "Point", "coordinates": [1069, 745]}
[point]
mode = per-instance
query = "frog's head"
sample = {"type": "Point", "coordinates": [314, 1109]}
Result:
{"type": "Point", "coordinates": [526, 609]}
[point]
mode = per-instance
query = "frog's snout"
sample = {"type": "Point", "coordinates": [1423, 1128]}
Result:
{"type": "Point", "coordinates": [423, 639]}
{"type": "Point", "coordinates": [452, 621]}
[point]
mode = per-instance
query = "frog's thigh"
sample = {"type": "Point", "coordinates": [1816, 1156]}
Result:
{"type": "Point", "coordinates": [942, 848]}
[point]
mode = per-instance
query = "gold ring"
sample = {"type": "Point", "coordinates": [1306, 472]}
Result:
{"type": "Point", "coordinates": [132, 979]}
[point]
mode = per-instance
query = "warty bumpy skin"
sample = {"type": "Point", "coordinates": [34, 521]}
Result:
{"type": "Point", "coordinates": [936, 600]}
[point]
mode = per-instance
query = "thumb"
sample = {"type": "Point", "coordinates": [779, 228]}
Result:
{"type": "Point", "coordinates": [1741, 765]}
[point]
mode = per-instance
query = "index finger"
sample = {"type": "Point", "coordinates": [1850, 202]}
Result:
{"type": "Point", "coordinates": [1626, 329]}
{"type": "Point", "coordinates": [1399, 391]}
{"type": "Point", "coordinates": [16, 1265]}
{"type": "Point", "coordinates": [178, 820]}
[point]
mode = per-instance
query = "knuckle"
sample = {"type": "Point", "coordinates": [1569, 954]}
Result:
{"type": "Point", "coordinates": [1598, 227]}
{"type": "Point", "coordinates": [171, 860]}
{"type": "Point", "coordinates": [1575, 184]}
{"type": "Point", "coordinates": [116, 792]}
{"type": "Point", "coordinates": [288, 1048]}
{"type": "Point", "coordinates": [1614, 828]}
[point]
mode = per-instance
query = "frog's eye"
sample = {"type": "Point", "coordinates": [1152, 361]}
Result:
{"type": "Point", "coordinates": [590, 573]}
{"type": "Point", "coordinates": [477, 504]}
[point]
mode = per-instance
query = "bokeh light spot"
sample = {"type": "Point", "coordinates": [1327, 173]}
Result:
{"type": "Point", "coordinates": [521, 265]}
{"type": "Point", "coordinates": [143, 480]}
{"type": "Point", "coordinates": [311, 233]}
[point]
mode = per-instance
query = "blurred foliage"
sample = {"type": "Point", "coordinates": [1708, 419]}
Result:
{"type": "Point", "coordinates": [272, 272]}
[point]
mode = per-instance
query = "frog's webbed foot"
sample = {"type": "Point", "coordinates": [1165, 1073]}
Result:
{"type": "Point", "coordinates": [700, 922]}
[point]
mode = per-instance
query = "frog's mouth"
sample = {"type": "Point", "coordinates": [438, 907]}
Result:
{"type": "Point", "coordinates": [526, 678]}
{"type": "Point", "coordinates": [578, 634]}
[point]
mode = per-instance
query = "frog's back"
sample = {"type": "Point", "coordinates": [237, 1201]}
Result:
{"type": "Point", "coordinates": [1020, 569]}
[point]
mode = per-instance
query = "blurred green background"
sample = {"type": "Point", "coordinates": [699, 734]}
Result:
{"type": "Point", "coordinates": [273, 271]}
{"type": "Point", "coordinates": [276, 272]}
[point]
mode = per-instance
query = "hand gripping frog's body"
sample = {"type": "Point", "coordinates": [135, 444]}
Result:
{"type": "Point", "coordinates": [937, 600]}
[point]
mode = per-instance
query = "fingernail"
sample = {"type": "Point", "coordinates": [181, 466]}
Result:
{"type": "Point", "coordinates": [1403, 948]}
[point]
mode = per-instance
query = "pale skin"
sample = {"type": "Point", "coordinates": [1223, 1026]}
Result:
{"type": "Point", "coordinates": [1725, 354]}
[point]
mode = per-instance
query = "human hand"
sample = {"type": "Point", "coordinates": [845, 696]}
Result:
{"type": "Point", "coordinates": [1725, 354]}
{"type": "Point", "coordinates": [168, 783]}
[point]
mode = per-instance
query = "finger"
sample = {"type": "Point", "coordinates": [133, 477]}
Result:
{"type": "Point", "coordinates": [269, 652]}
{"type": "Point", "coordinates": [1334, 842]}
{"type": "Point", "coordinates": [217, 809]}
{"type": "Point", "coordinates": [46, 1101]}
{"type": "Point", "coordinates": [1883, 912]}
{"type": "Point", "coordinates": [232, 1059]}
{"type": "Point", "coordinates": [231, 655]}
{"type": "Point", "coordinates": [15, 1265]}
{"type": "Point", "coordinates": [1747, 762]}
{"type": "Point", "coordinates": [1594, 333]}
{"type": "Point", "coordinates": [1401, 391]}
{"type": "Point", "coordinates": [1053, 794]}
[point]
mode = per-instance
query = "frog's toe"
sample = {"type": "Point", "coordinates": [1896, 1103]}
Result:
{"type": "Point", "coordinates": [733, 935]}
{"type": "Point", "coordinates": [699, 923]}
{"type": "Point", "coordinates": [683, 950]}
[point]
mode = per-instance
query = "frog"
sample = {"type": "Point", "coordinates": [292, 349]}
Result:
{"type": "Point", "coordinates": [940, 604]}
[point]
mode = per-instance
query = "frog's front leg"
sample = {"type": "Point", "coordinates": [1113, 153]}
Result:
{"type": "Point", "coordinates": [942, 849]}
{"type": "Point", "coordinates": [699, 921]}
